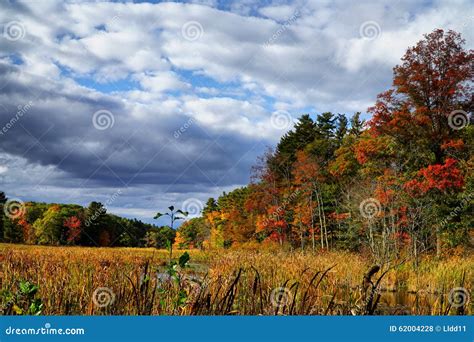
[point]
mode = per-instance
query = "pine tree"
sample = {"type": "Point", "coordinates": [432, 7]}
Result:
{"type": "Point", "coordinates": [325, 125]}
{"type": "Point", "coordinates": [342, 128]}
{"type": "Point", "coordinates": [301, 135]}
{"type": "Point", "coordinates": [95, 222]}
{"type": "Point", "coordinates": [357, 125]}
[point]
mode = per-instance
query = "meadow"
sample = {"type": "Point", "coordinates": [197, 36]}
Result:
{"type": "Point", "coordinates": [246, 281]}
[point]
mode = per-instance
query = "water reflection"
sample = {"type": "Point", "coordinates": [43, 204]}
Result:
{"type": "Point", "coordinates": [407, 303]}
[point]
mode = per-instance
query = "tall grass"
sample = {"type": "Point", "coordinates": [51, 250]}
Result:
{"type": "Point", "coordinates": [230, 282]}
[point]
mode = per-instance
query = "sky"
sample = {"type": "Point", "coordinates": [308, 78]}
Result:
{"type": "Point", "coordinates": [145, 105]}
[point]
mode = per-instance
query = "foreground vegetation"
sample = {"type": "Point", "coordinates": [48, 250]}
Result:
{"type": "Point", "coordinates": [133, 281]}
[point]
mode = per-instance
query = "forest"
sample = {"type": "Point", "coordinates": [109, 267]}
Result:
{"type": "Point", "coordinates": [73, 225]}
{"type": "Point", "coordinates": [403, 181]}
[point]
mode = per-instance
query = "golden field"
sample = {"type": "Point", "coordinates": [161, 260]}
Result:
{"type": "Point", "coordinates": [136, 281]}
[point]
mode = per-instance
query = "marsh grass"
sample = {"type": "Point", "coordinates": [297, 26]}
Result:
{"type": "Point", "coordinates": [229, 282]}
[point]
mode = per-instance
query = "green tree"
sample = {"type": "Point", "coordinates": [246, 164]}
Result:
{"type": "Point", "coordinates": [48, 229]}
{"type": "Point", "coordinates": [301, 135]}
{"type": "Point", "coordinates": [160, 237]}
{"type": "Point", "coordinates": [357, 125]}
{"type": "Point", "coordinates": [12, 232]}
{"type": "Point", "coordinates": [211, 205]}
{"type": "Point", "coordinates": [324, 144]}
{"type": "Point", "coordinates": [342, 128]}
{"type": "Point", "coordinates": [194, 232]}
{"type": "Point", "coordinates": [95, 223]}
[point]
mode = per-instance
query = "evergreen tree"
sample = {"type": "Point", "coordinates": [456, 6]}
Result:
{"type": "Point", "coordinates": [323, 146]}
{"type": "Point", "coordinates": [296, 139]}
{"type": "Point", "coordinates": [95, 222]}
{"type": "Point", "coordinates": [357, 125]}
{"type": "Point", "coordinates": [12, 232]}
{"type": "Point", "coordinates": [211, 205]}
{"type": "Point", "coordinates": [342, 128]}
{"type": "Point", "coordinates": [325, 125]}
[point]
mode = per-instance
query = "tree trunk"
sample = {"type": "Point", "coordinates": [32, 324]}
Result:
{"type": "Point", "coordinates": [438, 241]}
{"type": "Point", "coordinates": [320, 221]}
{"type": "Point", "coordinates": [301, 237]}
{"type": "Point", "coordinates": [312, 222]}
{"type": "Point", "coordinates": [325, 225]}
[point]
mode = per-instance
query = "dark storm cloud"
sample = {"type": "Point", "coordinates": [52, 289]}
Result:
{"type": "Point", "coordinates": [58, 130]}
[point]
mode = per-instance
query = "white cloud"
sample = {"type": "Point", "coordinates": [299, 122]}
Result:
{"type": "Point", "coordinates": [161, 81]}
{"type": "Point", "coordinates": [230, 115]}
{"type": "Point", "coordinates": [279, 13]}
{"type": "Point", "coordinates": [317, 56]}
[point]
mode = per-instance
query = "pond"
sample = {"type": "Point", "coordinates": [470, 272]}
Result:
{"type": "Point", "coordinates": [403, 302]}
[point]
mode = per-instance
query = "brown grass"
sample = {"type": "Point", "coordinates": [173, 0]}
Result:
{"type": "Point", "coordinates": [248, 282]}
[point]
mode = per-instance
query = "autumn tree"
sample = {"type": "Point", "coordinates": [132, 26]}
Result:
{"type": "Point", "coordinates": [160, 237]}
{"type": "Point", "coordinates": [73, 225]}
{"type": "Point", "coordinates": [235, 218]}
{"type": "Point", "coordinates": [307, 180]}
{"type": "Point", "coordinates": [273, 224]}
{"type": "Point", "coordinates": [433, 81]}
{"type": "Point", "coordinates": [48, 229]}
{"type": "Point", "coordinates": [302, 224]}
{"type": "Point", "coordinates": [193, 233]}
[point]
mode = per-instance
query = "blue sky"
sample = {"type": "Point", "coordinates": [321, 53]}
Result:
{"type": "Point", "coordinates": [171, 103]}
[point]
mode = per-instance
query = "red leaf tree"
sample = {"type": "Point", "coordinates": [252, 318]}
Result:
{"type": "Point", "coordinates": [73, 225]}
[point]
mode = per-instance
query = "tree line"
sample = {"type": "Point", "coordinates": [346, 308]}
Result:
{"type": "Point", "coordinates": [70, 224]}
